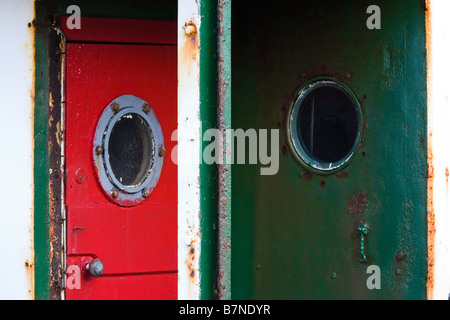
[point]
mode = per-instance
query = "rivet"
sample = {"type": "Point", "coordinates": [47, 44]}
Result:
{"type": "Point", "coordinates": [161, 151]}
{"type": "Point", "coordinates": [80, 176]}
{"type": "Point", "coordinates": [115, 107]}
{"type": "Point", "coordinates": [145, 193]}
{"type": "Point", "coordinates": [401, 255]}
{"type": "Point", "coordinates": [114, 194]}
{"type": "Point", "coordinates": [333, 275]}
{"type": "Point", "coordinates": [146, 108]}
{"type": "Point", "coordinates": [190, 30]}
{"type": "Point", "coordinates": [98, 150]}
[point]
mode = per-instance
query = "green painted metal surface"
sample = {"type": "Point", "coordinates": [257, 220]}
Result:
{"type": "Point", "coordinates": [41, 162]}
{"type": "Point", "coordinates": [208, 173]}
{"type": "Point", "coordinates": [294, 234]}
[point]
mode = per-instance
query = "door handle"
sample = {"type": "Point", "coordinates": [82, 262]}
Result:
{"type": "Point", "coordinates": [95, 268]}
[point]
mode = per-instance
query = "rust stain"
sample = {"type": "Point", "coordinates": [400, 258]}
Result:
{"type": "Point", "coordinates": [358, 203]}
{"type": "Point", "coordinates": [191, 47]}
{"type": "Point", "coordinates": [29, 268]}
{"type": "Point", "coordinates": [399, 258]}
{"type": "Point", "coordinates": [342, 174]}
{"type": "Point", "coordinates": [308, 176]}
{"type": "Point", "coordinates": [190, 264]}
{"type": "Point", "coordinates": [426, 4]}
{"type": "Point", "coordinates": [431, 219]}
{"type": "Point", "coordinates": [29, 265]}
{"type": "Point", "coordinates": [446, 177]}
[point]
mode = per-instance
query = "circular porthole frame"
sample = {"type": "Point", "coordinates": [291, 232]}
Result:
{"type": "Point", "coordinates": [114, 190]}
{"type": "Point", "coordinates": [300, 154]}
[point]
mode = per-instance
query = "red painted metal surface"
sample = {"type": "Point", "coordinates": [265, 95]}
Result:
{"type": "Point", "coordinates": [122, 30]}
{"type": "Point", "coordinates": [137, 245]}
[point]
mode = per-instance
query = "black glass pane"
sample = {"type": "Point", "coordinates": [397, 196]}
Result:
{"type": "Point", "coordinates": [131, 149]}
{"type": "Point", "coordinates": [327, 124]}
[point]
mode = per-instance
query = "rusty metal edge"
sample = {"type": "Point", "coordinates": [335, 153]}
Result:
{"type": "Point", "coordinates": [56, 164]}
{"type": "Point", "coordinates": [224, 169]}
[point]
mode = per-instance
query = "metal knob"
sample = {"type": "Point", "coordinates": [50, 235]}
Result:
{"type": "Point", "coordinates": [95, 268]}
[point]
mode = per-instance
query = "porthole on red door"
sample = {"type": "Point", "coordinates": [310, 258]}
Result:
{"type": "Point", "coordinates": [125, 150]}
{"type": "Point", "coordinates": [324, 125]}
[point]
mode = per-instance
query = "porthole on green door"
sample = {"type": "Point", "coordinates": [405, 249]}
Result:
{"type": "Point", "coordinates": [324, 125]}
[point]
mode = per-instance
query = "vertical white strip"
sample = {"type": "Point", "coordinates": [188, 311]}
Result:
{"type": "Point", "coordinates": [439, 128]}
{"type": "Point", "coordinates": [16, 141]}
{"type": "Point", "coordinates": [189, 145]}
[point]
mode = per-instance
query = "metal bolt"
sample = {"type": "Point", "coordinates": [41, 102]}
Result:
{"type": "Point", "coordinates": [190, 30]}
{"type": "Point", "coordinates": [145, 193]}
{"type": "Point", "coordinates": [98, 150]}
{"type": "Point", "coordinates": [333, 275]}
{"type": "Point", "coordinates": [114, 194]}
{"type": "Point", "coordinates": [80, 176]}
{"type": "Point", "coordinates": [115, 107]}
{"type": "Point", "coordinates": [146, 108]}
{"type": "Point", "coordinates": [161, 151]}
{"type": "Point", "coordinates": [400, 256]}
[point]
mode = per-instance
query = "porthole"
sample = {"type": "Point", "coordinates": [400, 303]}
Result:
{"type": "Point", "coordinates": [324, 125]}
{"type": "Point", "coordinates": [126, 150]}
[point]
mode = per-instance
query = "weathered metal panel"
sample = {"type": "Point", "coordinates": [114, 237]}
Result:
{"type": "Point", "coordinates": [294, 232]}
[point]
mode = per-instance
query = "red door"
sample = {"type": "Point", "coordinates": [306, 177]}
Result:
{"type": "Point", "coordinates": [121, 187]}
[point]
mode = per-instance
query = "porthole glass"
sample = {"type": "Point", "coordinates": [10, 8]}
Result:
{"type": "Point", "coordinates": [125, 150]}
{"type": "Point", "coordinates": [324, 125]}
{"type": "Point", "coordinates": [131, 149]}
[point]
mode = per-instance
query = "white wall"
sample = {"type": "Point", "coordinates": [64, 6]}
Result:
{"type": "Point", "coordinates": [439, 135]}
{"type": "Point", "coordinates": [16, 142]}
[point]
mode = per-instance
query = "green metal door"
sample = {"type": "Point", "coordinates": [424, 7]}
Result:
{"type": "Point", "coordinates": [295, 234]}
